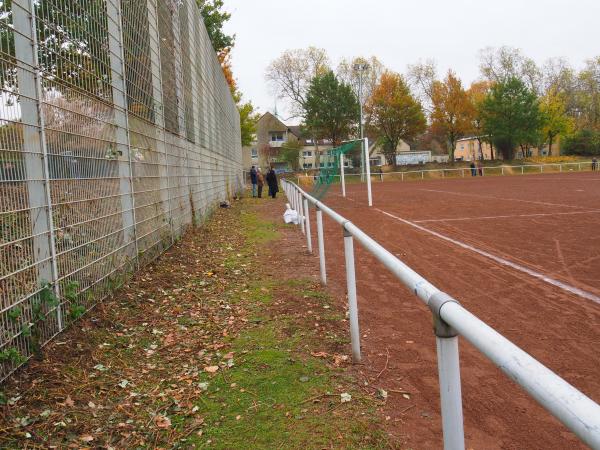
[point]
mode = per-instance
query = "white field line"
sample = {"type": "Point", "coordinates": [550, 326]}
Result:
{"type": "Point", "coordinates": [489, 197]}
{"type": "Point", "coordinates": [457, 219]}
{"type": "Point", "coordinates": [502, 261]}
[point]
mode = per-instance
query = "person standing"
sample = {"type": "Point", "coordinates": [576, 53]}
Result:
{"type": "Point", "coordinates": [253, 180]}
{"type": "Point", "coordinates": [594, 164]}
{"type": "Point", "coordinates": [260, 181]}
{"type": "Point", "coordinates": [272, 182]}
{"type": "Point", "coordinates": [473, 170]}
{"type": "Point", "coordinates": [480, 168]}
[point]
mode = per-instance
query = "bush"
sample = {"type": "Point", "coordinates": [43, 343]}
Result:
{"type": "Point", "coordinates": [582, 143]}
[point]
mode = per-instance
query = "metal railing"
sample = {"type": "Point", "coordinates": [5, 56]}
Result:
{"type": "Point", "coordinates": [117, 131]}
{"type": "Point", "coordinates": [462, 172]}
{"type": "Point", "coordinates": [575, 410]}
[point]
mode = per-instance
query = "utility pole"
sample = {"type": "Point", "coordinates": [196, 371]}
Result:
{"type": "Point", "coordinates": [361, 68]}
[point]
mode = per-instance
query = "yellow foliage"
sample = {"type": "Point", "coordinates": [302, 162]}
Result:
{"type": "Point", "coordinates": [551, 159]}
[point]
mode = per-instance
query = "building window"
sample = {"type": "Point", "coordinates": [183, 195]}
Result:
{"type": "Point", "coordinates": [309, 142]}
{"type": "Point", "coordinates": [307, 165]}
{"type": "Point", "coordinates": [375, 161]}
{"type": "Point", "coordinates": [306, 153]}
{"type": "Point", "coordinates": [254, 153]}
{"type": "Point", "coordinates": [321, 164]}
{"type": "Point", "coordinates": [276, 136]}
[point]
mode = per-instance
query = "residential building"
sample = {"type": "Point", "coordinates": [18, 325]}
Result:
{"type": "Point", "coordinates": [272, 134]}
{"type": "Point", "coordinates": [468, 149]}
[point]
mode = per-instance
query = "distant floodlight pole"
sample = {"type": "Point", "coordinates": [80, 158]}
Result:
{"type": "Point", "coordinates": [361, 68]}
{"type": "Point", "coordinates": [342, 178]}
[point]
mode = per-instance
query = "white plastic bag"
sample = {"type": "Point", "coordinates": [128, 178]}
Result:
{"type": "Point", "coordinates": [290, 216]}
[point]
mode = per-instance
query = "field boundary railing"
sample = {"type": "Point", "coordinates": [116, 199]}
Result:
{"type": "Point", "coordinates": [464, 172]}
{"type": "Point", "coordinates": [574, 409]}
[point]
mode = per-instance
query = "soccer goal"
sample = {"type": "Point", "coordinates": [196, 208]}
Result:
{"type": "Point", "coordinates": [333, 168]}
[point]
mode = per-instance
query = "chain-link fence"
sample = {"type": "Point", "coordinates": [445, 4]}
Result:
{"type": "Point", "coordinates": [117, 131]}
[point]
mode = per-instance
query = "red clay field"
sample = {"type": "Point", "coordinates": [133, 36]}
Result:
{"type": "Point", "coordinates": [522, 253]}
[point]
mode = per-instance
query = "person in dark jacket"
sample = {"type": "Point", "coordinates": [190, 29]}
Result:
{"type": "Point", "coordinates": [473, 169]}
{"type": "Point", "coordinates": [253, 180]}
{"type": "Point", "coordinates": [272, 182]}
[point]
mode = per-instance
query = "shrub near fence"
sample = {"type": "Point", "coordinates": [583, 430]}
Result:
{"type": "Point", "coordinates": [117, 131]}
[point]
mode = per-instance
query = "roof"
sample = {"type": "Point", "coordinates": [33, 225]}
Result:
{"type": "Point", "coordinates": [295, 130]}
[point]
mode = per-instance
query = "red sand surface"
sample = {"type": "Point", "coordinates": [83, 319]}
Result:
{"type": "Point", "coordinates": [549, 224]}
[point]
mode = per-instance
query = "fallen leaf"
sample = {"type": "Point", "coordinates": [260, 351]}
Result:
{"type": "Point", "coordinates": [345, 397]}
{"type": "Point", "coordinates": [211, 369]}
{"type": "Point", "coordinates": [319, 354]}
{"type": "Point", "coordinates": [162, 422]}
{"type": "Point", "coordinates": [69, 402]}
{"type": "Point", "coordinates": [86, 438]}
{"type": "Point", "coordinates": [382, 394]}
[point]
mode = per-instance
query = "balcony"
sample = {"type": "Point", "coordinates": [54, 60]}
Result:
{"type": "Point", "coordinates": [276, 144]}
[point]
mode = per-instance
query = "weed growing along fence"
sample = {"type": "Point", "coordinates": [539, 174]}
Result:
{"type": "Point", "coordinates": [117, 131]}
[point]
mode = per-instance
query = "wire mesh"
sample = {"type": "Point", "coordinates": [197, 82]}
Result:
{"type": "Point", "coordinates": [117, 131]}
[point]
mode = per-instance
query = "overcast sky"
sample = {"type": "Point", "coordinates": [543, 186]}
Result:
{"type": "Point", "coordinates": [400, 32]}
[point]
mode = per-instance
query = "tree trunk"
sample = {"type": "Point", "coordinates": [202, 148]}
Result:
{"type": "Point", "coordinates": [317, 158]}
{"type": "Point", "coordinates": [550, 139]}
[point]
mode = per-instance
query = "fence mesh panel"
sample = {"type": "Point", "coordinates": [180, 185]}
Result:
{"type": "Point", "coordinates": [117, 131]}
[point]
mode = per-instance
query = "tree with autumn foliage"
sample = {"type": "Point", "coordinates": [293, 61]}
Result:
{"type": "Point", "coordinates": [555, 120]}
{"type": "Point", "coordinates": [452, 111]}
{"type": "Point", "coordinates": [394, 113]}
{"type": "Point", "coordinates": [477, 93]}
{"type": "Point", "coordinates": [214, 19]}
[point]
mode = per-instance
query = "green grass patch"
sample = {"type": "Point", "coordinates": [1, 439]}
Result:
{"type": "Point", "coordinates": [264, 400]}
{"type": "Point", "coordinates": [256, 230]}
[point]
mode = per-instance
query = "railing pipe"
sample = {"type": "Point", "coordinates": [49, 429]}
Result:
{"type": "Point", "coordinates": [574, 409]}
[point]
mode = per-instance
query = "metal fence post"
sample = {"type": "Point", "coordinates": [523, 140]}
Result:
{"type": "Point", "coordinates": [449, 375]}
{"type": "Point", "coordinates": [159, 116]}
{"type": "Point", "coordinates": [123, 145]}
{"type": "Point", "coordinates": [521, 170]}
{"type": "Point", "coordinates": [321, 242]}
{"type": "Point", "coordinates": [307, 226]}
{"type": "Point", "coordinates": [35, 152]}
{"type": "Point", "coordinates": [352, 303]}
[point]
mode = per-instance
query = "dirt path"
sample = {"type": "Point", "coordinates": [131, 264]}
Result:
{"type": "Point", "coordinates": [226, 341]}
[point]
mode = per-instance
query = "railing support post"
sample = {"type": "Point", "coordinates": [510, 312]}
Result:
{"type": "Point", "coordinates": [307, 226]}
{"type": "Point", "coordinates": [301, 213]}
{"type": "Point", "coordinates": [449, 375]}
{"type": "Point", "coordinates": [321, 242]}
{"type": "Point", "coordinates": [352, 303]}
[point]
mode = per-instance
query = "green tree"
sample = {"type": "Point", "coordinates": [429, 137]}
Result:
{"type": "Point", "coordinates": [511, 116]}
{"type": "Point", "coordinates": [331, 108]}
{"type": "Point", "coordinates": [582, 143]}
{"type": "Point", "coordinates": [248, 120]}
{"type": "Point", "coordinates": [394, 114]}
{"type": "Point", "coordinates": [290, 153]}
{"type": "Point", "coordinates": [214, 19]}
